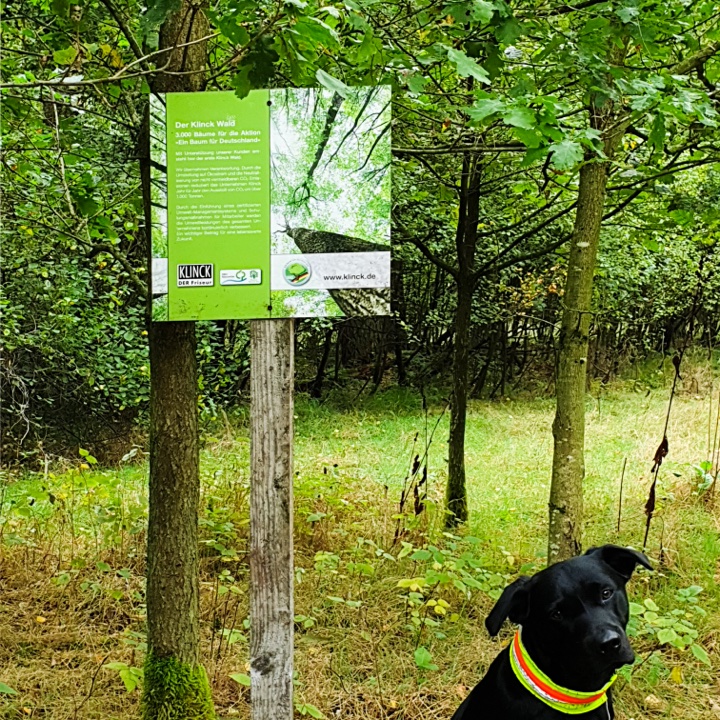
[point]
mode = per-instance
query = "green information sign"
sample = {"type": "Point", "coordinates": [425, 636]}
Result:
{"type": "Point", "coordinates": [276, 205]}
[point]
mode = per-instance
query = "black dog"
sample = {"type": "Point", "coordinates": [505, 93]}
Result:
{"type": "Point", "coordinates": [562, 662]}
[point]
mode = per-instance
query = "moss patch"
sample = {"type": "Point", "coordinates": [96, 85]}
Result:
{"type": "Point", "coordinates": [175, 691]}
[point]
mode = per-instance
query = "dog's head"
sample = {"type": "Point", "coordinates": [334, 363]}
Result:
{"type": "Point", "coordinates": [574, 614]}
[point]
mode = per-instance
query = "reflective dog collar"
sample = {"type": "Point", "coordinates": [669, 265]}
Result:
{"type": "Point", "coordinates": [537, 683]}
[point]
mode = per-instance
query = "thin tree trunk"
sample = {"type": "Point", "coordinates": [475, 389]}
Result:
{"type": "Point", "coordinates": [466, 241]}
{"type": "Point", "coordinates": [568, 469]}
{"type": "Point", "coordinates": [316, 387]}
{"type": "Point", "coordinates": [271, 519]}
{"type": "Point", "coordinates": [456, 491]}
{"type": "Point", "coordinates": [175, 683]}
{"type": "Point", "coordinates": [565, 530]}
{"type": "Point", "coordinates": [397, 304]}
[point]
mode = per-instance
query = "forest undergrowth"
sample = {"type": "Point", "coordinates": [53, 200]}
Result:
{"type": "Point", "coordinates": [389, 606]}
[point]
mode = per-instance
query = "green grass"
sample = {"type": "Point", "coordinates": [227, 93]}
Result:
{"type": "Point", "coordinates": [72, 549]}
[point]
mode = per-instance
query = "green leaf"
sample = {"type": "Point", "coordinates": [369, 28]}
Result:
{"type": "Point", "coordinates": [666, 635]}
{"type": "Point", "coordinates": [367, 47]}
{"type": "Point", "coordinates": [423, 659]}
{"type": "Point", "coordinates": [509, 31]}
{"type": "Point", "coordinates": [521, 117]}
{"type": "Point", "coordinates": [241, 82]}
{"type": "Point", "coordinates": [657, 133]}
{"type": "Point", "coordinates": [66, 56]}
{"type": "Point", "coordinates": [60, 7]}
{"type": "Point", "coordinates": [87, 206]}
{"type": "Point", "coordinates": [241, 679]}
{"type": "Point", "coordinates": [416, 84]}
{"type": "Point", "coordinates": [484, 108]}
{"type": "Point", "coordinates": [482, 11]}
{"type": "Point", "coordinates": [595, 24]}
{"type": "Point", "coordinates": [157, 11]}
{"type": "Point", "coordinates": [529, 138]}
{"type": "Point", "coordinates": [533, 155]}
{"type": "Point", "coordinates": [406, 550]}
{"type": "Point", "coordinates": [315, 32]}
{"type": "Point", "coordinates": [131, 678]}
{"type": "Point", "coordinates": [332, 83]}
{"type": "Point", "coordinates": [566, 154]}
{"type": "Point", "coordinates": [421, 555]}
{"type": "Point", "coordinates": [699, 652]}
{"type": "Point", "coordinates": [650, 604]}
{"type": "Point", "coordinates": [235, 33]}
{"type": "Point", "coordinates": [628, 13]}
{"type": "Point", "coordinates": [467, 67]}
{"type": "Point", "coordinates": [651, 244]}
{"type": "Point", "coordinates": [6, 689]}
{"type": "Point", "coordinates": [312, 711]}
{"type": "Point", "coordinates": [494, 61]}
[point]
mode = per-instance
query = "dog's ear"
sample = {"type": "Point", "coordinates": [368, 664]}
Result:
{"type": "Point", "coordinates": [621, 559]}
{"type": "Point", "coordinates": [512, 604]}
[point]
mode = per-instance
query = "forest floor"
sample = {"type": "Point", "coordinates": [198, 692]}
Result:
{"type": "Point", "coordinates": [389, 608]}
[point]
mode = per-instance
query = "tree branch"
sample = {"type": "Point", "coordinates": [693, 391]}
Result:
{"type": "Point", "coordinates": [459, 149]}
{"type": "Point", "coordinates": [431, 256]}
{"type": "Point", "coordinates": [124, 27]}
{"type": "Point", "coordinates": [529, 233]}
{"type": "Point", "coordinates": [121, 74]}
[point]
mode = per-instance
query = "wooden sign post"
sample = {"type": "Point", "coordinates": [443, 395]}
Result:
{"type": "Point", "coordinates": [271, 519]}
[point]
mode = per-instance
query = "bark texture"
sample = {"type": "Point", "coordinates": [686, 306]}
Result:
{"type": "Point", "coordinates": [175, 685]}
{"type": "Point", "coordinates": [172, 563]}
{"type": "Point", "coordinates": [568, 470]}
{"type": "Point", "coordinates": [271, 519]}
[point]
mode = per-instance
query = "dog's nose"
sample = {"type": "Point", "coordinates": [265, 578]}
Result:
{"type": "Point", "coordinates": [610, 642]}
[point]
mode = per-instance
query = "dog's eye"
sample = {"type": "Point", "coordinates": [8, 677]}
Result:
{"type": "Point", "coordinates": [556, 615]}
{"type": "Point", "coordinates": [607, 593]}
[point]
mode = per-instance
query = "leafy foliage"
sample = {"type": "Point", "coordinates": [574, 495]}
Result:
{"type": "Point", "coordinates": [511, 83]}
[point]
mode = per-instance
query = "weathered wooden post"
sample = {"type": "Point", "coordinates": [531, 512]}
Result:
{"type": "Point", "coordinates": [271, 519]}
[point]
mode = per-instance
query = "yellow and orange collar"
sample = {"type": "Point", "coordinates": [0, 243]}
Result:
{"type": "Point", "coordinates": [537, 683]}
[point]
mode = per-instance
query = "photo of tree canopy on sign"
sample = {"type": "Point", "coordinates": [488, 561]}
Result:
{"type": "Point", "coordinates": [330, 164]}
{"type": "Point", "coordinates": [158, 198]}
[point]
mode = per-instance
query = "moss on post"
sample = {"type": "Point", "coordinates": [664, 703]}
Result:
{"type": "Point", "coordinates": [175, 691]}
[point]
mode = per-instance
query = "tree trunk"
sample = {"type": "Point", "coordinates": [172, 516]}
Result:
{"type": "Point", "coordinates": [316, 387]}
{"type": "Point", "coordinates": [466, 242]}
{"type": "Point", "coordinates": [568, 469]}
{"type": "Point", "coordinates": [456, 491]}
{"type": "Point", "coordinates": [271, 519]}
{"type": "Point", "coordinates": [175, 684]}
{"type": "Point", "coordinates": [397, 304]}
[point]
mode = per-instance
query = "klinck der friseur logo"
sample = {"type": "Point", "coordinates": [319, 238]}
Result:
{"type": "Point", "coordinates": [195, 275]}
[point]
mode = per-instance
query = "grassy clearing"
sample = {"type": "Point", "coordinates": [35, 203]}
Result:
{"type": "Point", "coordinates": [386, 627]}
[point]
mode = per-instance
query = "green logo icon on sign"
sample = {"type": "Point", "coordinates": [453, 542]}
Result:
{"type": "Point", "coordinates": [297, 272]}
{"type": "Point", "coordinates": [241, 277]}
